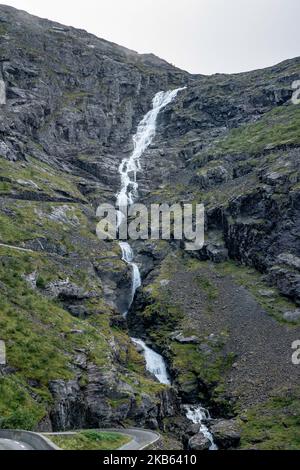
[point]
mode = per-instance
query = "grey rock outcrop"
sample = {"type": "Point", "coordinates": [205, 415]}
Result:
{"type": "Point", "coordinates": [72, 103]}
{"type": "Point", "coordinates": [199, 442]}
{"type": "Point", "coordinates": [227, 433]}
{"type": "Point", "coordinates": [105, 400]}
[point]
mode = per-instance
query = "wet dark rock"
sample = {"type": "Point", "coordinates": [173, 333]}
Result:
{"type": "Point", "coordinates": [199, 442]}
{"type": "Point", "coordinates": [193, 429]}
{"type": "Point", "coordinates": [118, 321]}
{"type": "Point", "coordinates": [78, 311]}
{"type": "Point", "coordinates": [66, 290]}
{"type": "Point", "coordinates": [105, 400]}
{"type": "Point", "coordinates": [227, 433]}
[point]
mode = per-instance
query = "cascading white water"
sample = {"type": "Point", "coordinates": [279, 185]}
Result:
{"type": "Point", "coordinates": [197, 414]}
{"type": "Point", "coordinates": [141, 140]}
{"type": "Point", "coordinates": [128, 170]}
{"type": "Point", "coordinates": [154, 362]}
{"type": "Point", "coordinates": [128, 192]}
{"type": "Point", "coordinates": [127, 256]}
{"type": "Point", "coordinates": [2, 92]}
{"type": "Point", "coordinates": [126, 196]}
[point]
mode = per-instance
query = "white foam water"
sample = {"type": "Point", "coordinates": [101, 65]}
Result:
{"type": "Point", "coordinates": [197, 414]}
{"type": "Point", "coordinates": [127, 256]}
{"type": "Point", "coordinates": [128, 170]}
{"type": "Point", "coordinates": [2, 92]}
{"type": "Point", "coordinates": [142, 139]}
{"type": "Point", "coordinates": [125, 197]}
{"type": "Point", "coordinates": [154, 362]}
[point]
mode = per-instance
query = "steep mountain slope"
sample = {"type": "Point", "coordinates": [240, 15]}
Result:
{"type": "Point", "coordinates": [72, 101]}
{"type": "Point", "coordinates": [70, 105]}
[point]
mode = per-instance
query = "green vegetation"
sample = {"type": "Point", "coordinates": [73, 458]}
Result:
{"type": "Point", "coordinates": [273, 425]}
{"type": "Point", "coordinates": [90, 440]}
{"type": "Point", "coordinates": [36, 176]}
{"type": "Point", "coordinates": [42, 338]}
{"type": "Point", "coordinates": [281, 126]}
{"type": "Point", "coordinates": [163, 315]}
{"type": "Point", "coordinates": [18, 410]}
{"type": "Point", "coordinates": [61, 224]}
{"type": "Point", "coordinates": [39, 341]}
{"type": "Point", "coordinates": [207, 286]}
{"type": "Point", "coordinates": [3, 29]}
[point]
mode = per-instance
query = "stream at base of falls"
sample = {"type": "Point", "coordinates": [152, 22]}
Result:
{"type": "Point", "coordinates": [198, 415]}
{"type": "Point", "coordinates": [128, 169]}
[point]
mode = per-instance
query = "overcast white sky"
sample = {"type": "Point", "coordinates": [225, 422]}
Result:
{"type": "Point", "coordinates": [201, 36]}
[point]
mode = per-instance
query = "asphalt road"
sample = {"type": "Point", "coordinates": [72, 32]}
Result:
{"type": "Point", "coordinates": [16, 248]}
{"type": "Point", "coordinates": [8, 444]}
{"type": "Point", "coordinates": [140, 439]}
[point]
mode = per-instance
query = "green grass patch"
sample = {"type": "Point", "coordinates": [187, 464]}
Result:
{"type": "Point", "coordinates": [207, 286]}
{"type": "Point", "coordinates": [36, 176]}
{"type": "Point", "coordinates": [18, 410]}
{"type": "Point", "coordinates": [90, 440]}
{"type": "Point", "coordinates": [281, 126]}
{"type": "Point", "coordinates": [273, 425]}
{"type": "Point", "coordinates": [40, 342]}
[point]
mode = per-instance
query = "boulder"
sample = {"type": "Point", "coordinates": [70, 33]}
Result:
{"type": "Point", "coordinates": [78, 311]}
{"type": "Point", "coordinates": [289, 260]}
{"type": "Point", "coordinates": [185, 339]}
{"type": "Point", "coordinates": [227, 433]}
{"type": "Point", "coordinates": [199, 442]}
{"type": "Point", "coordinates": [66, 290]}
{"type": "Point", "coordinates": [217, 254]}
{"type": "Point", "coordinates": [292, 315]}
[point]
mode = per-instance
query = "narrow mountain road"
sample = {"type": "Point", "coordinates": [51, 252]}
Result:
{"type": "Point", "coordinates": [16, 248]}
{"type": "Point", "coordinates": [140, 438]}
{"type": "Point", "coordinates": [9, 444]}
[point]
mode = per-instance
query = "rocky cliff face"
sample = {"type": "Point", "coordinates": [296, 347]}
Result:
{"type": "Point", "coordinates": [70, 104]}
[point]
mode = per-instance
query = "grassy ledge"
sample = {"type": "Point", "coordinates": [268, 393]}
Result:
{"type": "Point", "coordinates": [90, 440]}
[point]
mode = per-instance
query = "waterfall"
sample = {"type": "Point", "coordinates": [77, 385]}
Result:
{"type": "Point", "coordinates": [127, 256]}
{"type": "Point", "coordinates": [2, 92]}
{"type": "Point", "coordinates": [125, 197]}
{"type": "Point", "coordinates": [154, 362]}
{"type": "Point", "coordinates": [141, 141]}
{"type": "Point", "coordinates": [128, 169]}
{"type": "Point", "coordinates": [197, 414]}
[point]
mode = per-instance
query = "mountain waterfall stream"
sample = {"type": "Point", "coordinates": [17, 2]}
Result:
{"type": "Point", "coordinates": [124, 198]}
